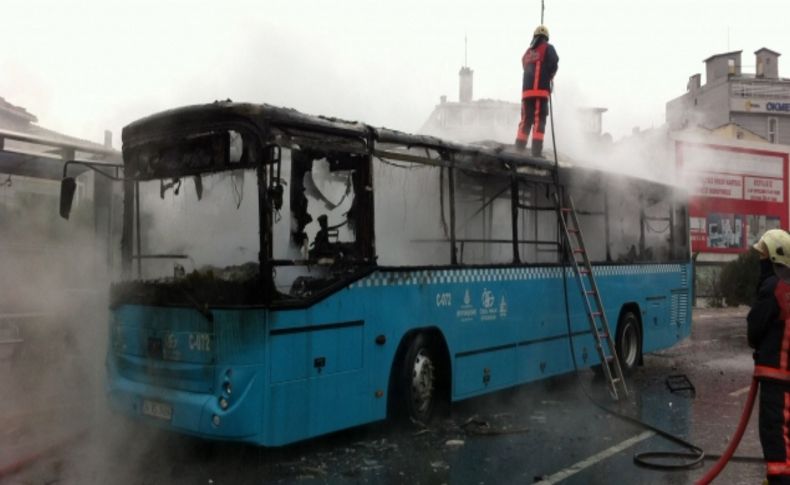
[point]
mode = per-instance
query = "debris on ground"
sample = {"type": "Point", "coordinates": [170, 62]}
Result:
{"type": "Point", "coordinates": [311, 470]}
{"type": "Point", "coordinates": [419, 424]}
{"type": "Point", "coordinates": [377, 445]}
{"type": "Point", "coordinates": [476, 426]}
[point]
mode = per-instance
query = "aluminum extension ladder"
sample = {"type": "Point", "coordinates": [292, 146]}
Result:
{"type": "Point", "coordinates": [610, 363]}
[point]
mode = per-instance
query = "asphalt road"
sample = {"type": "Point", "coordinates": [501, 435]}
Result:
{"type": "Point", "coordinates": [547, 432]}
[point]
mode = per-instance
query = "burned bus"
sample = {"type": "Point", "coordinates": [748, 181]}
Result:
{"type": "Point", "coordinates": [286, 275]}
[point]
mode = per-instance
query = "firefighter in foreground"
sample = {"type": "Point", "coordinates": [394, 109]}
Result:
{"type": "Point", "coordinates": [769, 334]}
{"type": "Point", "coordinates": [540, 65]}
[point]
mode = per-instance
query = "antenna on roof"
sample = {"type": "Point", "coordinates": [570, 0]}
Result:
{"type": "Point", "coordinates": [465, 51]}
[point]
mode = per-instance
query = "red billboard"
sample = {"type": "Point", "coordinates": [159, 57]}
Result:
{"type": "Point", "coordinates": [736, 193]}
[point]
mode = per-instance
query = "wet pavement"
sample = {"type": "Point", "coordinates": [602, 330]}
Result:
{"type": "Point", "coordinates": [546, 432]}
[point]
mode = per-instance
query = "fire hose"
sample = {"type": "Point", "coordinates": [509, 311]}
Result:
{"type": "Point", "coordinates": [736, 438]}
{"type": "Point", "coordinates": [655, 459]}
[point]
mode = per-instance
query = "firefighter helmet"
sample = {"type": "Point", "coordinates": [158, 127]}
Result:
{"type": "Point", "coordinates": [777, 243]}
{"type": "Point", "coordinates": [541, 30]}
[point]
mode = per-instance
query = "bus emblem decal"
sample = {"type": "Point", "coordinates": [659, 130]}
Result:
{"type": "Point", "coordinates": [488, 298]}
{"type": "Point", "coordinates": [171, 341]}
{"type": "Point", "coordinates": [467, 312]}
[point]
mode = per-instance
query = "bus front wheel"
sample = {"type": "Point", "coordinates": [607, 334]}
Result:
{"type": "Point", "coordinates": [419, 379]}
{"type": "Point", "coordinates": [628, 341]}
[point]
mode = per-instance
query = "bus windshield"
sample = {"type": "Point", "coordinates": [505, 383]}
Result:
{"type": "Point", "coordinates": [200, 226]}
{"type": "Point", "coordinates": [192, 235]}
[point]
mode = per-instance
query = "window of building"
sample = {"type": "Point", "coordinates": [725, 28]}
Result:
{"type": "Point", "coordinates": [773, 125]}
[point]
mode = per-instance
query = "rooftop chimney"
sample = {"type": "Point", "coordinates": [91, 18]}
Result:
{"type": "Point", "coordinates": [694, 83]}
{"type": "Point", "coordinates": [592, 120]}
{"type": "Point", "coordinates": [722, 66]}
{"type": "Point", "coordinates": [767, 62]}
{"type": "Point", "coordinates": [465, 85]}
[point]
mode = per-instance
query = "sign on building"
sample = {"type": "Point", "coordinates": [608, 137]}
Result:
{"type": "Point", "coordinates": [736, 194]}
{"type": "Point", "coordinates": [759, 105]}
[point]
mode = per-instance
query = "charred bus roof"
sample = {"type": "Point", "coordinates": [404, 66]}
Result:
{"type": "Point", "coordinates": [271, 125]}
{"type": "Point", "coordinates": [265, 125]}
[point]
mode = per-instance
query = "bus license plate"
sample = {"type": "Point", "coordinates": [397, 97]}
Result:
{"type": "Point", "coordinates": [157, 410]}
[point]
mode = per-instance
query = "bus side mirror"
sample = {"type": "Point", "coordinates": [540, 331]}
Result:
{"type": "Point", "coordinates": [67, 188]}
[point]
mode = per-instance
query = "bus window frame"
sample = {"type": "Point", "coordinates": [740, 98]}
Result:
{"type": "Point", "coordinates": [644, 189]}
{"type": "Point", "coordinates": [364, 233]}
{"type": "Point", "coordinates": [254, 156]}
{"type": "Point", "coordinates": [269, 137]}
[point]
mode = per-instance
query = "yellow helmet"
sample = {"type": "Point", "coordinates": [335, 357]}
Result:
{"type": "Point", "coordinates": [541, 30]}
{"type": "Point", "coordinates": [777, 242]}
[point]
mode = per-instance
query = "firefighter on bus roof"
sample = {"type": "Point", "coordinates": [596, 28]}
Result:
{"type": "Point", "coordinates": [769, 334]}
{"type": "Point", "coordinates": [540, 65]}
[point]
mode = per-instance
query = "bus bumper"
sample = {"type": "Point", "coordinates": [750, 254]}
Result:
{"type": "Point", "coordinates": [193, 413]}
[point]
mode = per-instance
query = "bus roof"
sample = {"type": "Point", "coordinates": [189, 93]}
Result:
{"type": "Point", "coordinates": [484, 158]}
{"type": "Point", "coordinates": [491, 158]}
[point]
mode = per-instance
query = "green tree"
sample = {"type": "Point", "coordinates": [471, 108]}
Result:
{"type": "Point", "coordinates": [738, 279]}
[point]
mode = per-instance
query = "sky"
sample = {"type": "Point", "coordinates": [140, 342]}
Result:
{"type": "Point", "coordinates": [84, 66]}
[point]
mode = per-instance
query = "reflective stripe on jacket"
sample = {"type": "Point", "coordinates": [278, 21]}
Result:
{"type": "Point", "coordinates": [540, 64]}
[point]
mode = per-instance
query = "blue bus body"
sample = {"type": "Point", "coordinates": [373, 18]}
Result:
{"type": "Point", "coordinates": [287, 276]}
{"type": "Point", "coordinates": [297, 373]}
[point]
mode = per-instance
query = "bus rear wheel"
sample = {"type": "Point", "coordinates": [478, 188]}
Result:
{"type": "Point", "coordinates": [418, 386]}
{"type": "Point", "coordinates": [628, 341]}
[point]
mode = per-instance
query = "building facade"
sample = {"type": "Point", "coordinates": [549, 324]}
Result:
{"type": "Point", "coordinates": [32, 233]}
{"type": "Point", "coordinates": [757, 102]}
{"type": "Point", "coordinates": [731, 143]}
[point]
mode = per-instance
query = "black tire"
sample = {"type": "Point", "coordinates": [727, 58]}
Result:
{"type": "Point", "coordinates": [418, 380]}
{"type": "Point", "coordinates": [628, 341]}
